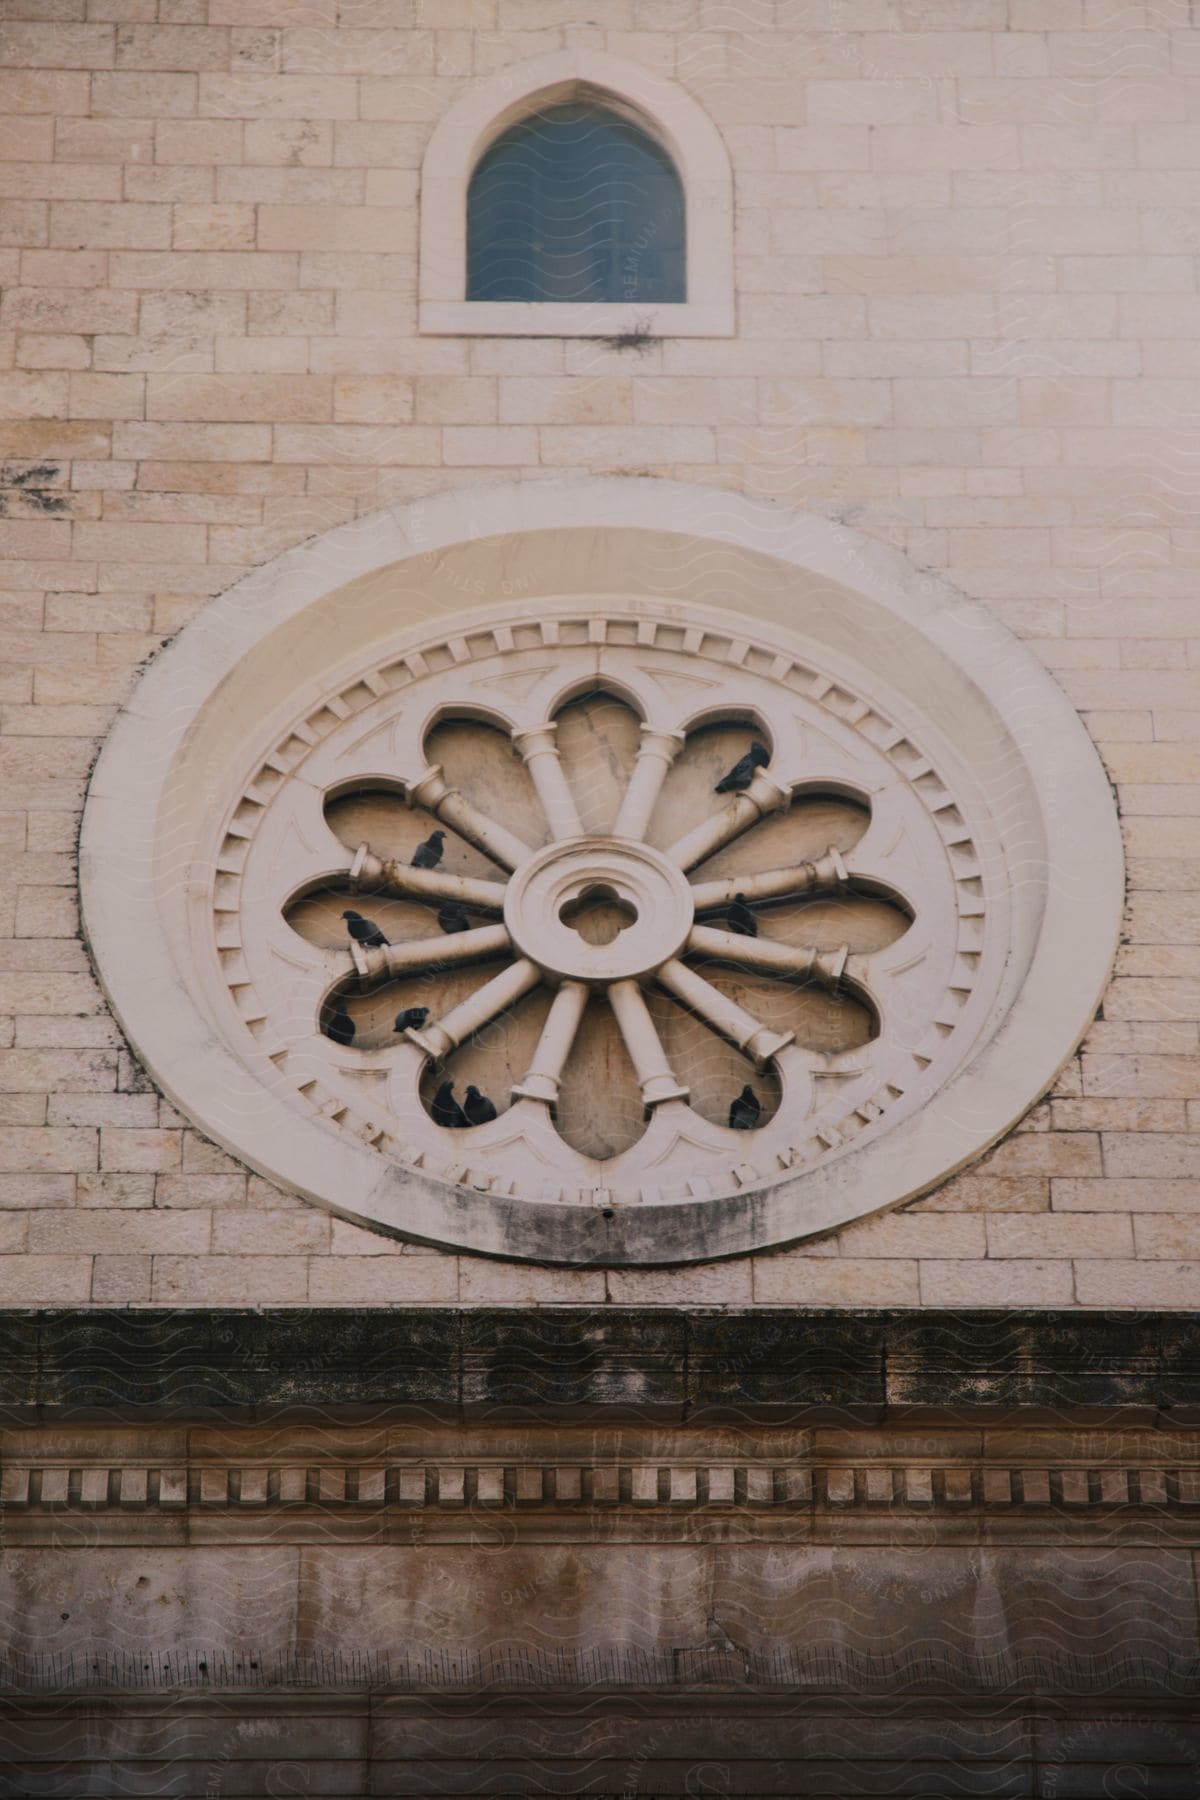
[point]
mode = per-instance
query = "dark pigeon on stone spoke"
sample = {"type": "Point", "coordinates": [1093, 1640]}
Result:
{"type": "Point", "coordinates": [364, 931]}
{"type": "Point", "coordinates": [743, 771]}
{"type": "Point", "coordinates": [340, 1029]}
{"type": "Point", "coordinates": [428, 854]}
{"type": "Point", "coordinates": [745, 1111]}
{"type": "Point", "coordinates": [478, 1108]}
{"type": "Point", "coordinates": [739, 918]}
{"type": "Point", "coordinates": [411, 1019]}
{"type": "Point", "coordinates": [451, 917]}
{"type": "Point", "coordinates": [445, 1108]}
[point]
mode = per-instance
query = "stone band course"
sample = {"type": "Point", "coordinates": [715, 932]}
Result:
{"type": "Point", "coordinates": [657, 1363]}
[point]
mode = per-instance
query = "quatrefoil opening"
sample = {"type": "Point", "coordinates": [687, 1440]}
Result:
{"type": "Point", "coordinates": [598, 914]}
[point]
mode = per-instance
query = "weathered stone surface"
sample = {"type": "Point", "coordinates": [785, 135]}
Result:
{"type": "Point", "coordinates": [677, 1364]}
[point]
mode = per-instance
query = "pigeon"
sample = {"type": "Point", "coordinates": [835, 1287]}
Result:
{"type": "Point", "coordinates": [364, 931]}
{"type": "Point", "coordinates": [413, 1017]}
{"type": "Point", "coordinates": [445, 1108]}
{"type": "Point", "coordinates": [742, 773]}
{"type": "Point", "coordinates": [429, 854]}
{"type": "Point", "coordinates": [478, 1108]}
{"type": "Point", "coordinates": [340, 1029]}
{"type": "Point", "coordinates": [744, 1113]}
{"type": "Point", "coordinates": [451, 917]}
{"type": "Point", "coordinates": [739, 918]}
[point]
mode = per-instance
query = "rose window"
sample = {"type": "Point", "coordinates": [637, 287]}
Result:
{"type": "Point", "coordinates": [621, 929]}
{"type": "Point", "coordinates": [600, 872]}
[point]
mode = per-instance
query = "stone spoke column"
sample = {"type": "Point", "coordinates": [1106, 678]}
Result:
{"type": "Point", "coordinates": [478, 1010]}
{"type": "Point", "coordinates": [773, 958]}
{"type": "Point", "coordinates": [732, 1021]}
{"type": "Point", "coordinates": [646, 1053]}
{"type": "Point", "coordinates": [545, 767]}
{"type": "Point", "coordinates": [542, 1079]}
{"type": "Point", "coordinates": [657, 752]}
{"type": "Point", "coordinates": [764, 795]}
{"type": "Point", "coordinates": [369, 872]}
{"type": "Point", "coordinates": [503, 846]}
{"type": "Point", "coordinates": [431, 953]}
{"type": "Point", "coordinates": [828, 874]}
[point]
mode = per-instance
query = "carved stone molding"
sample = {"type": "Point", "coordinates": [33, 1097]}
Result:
{"type": "Point", "coordinates": [825, 1552]}
{"type": "Point", "coordinates": [244, 1487]}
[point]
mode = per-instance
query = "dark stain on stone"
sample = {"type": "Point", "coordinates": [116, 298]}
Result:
{"type": "Point", "coordinates": [662, 1363]}
{"type": "Point", "coordinates": [29, 487]}
{"type": "Point", "coordinates": [36, 475]}
{"type": "Point", "coordinates": [38, 500]}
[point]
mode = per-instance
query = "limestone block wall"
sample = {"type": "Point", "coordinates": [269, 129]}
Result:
{"type": "Point", "coordinates": [966, 255]}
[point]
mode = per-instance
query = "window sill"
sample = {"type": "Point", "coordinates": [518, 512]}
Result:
{"type": "Point", "coordinates": [519, 318]}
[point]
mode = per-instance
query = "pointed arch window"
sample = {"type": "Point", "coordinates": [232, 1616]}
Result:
{"type": "Point", "coordinates": [577, 196]}
{"type": "Point", "coordinates": [576, 204]}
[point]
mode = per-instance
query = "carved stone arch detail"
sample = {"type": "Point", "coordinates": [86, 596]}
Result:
{"type": "Point", "coordinates": [987, 824]}
{"type": "Point", "coordinates": [664, 108]}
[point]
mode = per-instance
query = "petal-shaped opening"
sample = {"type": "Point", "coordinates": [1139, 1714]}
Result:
{"type": "Point", "coordinates": [597, 738]}
{"type": "Point", "coordinates": [823, 1019]}
{"type": "Point", "coordinates": [688, 795]}
{"type": "Point", "coordinates": [374, 1006]}
{"type": "Point", "coordinates": [371, 815]}
{"type": "Point", "coordinates": [599, 1070]}
{"type": "Point", "coordinates": [317, 916]}
{"type": "Point", "coordinates": [713, 1070]}
{"type": "Point", "coordinates": [486, 767]}
{"type": "Point", "coordinates": [344, 1017]}
{"type": "Point", "coordinates": [798, 833]}
{"type": "Point", "coordinates": [494, 1059]}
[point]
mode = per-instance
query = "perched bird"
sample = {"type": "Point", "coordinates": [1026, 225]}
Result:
{"type": "Point", "coordinates": [739, 918]}
{"type": "Point", "coordinates": [340, 1028]}
{"type": "Point", "coordinates": [445, 1108]}
{"type": "Point", "coordinates": [744, 1113]}
{"type": "Point", "coordinates": [451, 917]}
{"type": "Point", "coordinates": [429, 854]}
{"type": "Point", "coordinates": [413, 1017]}
{"type": "Point", "coordinates": [742, 773]}
{"type": "Point", "coordinates": [478, 1108]}
{"type": "Point", "coordinates": [364, 931]}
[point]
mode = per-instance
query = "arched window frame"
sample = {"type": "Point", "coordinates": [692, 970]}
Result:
{"type": "Point", "coordinates": [661, 108]}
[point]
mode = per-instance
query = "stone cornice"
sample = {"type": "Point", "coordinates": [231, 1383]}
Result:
{"type": "Point", "coordinates": [662, 1365]}
{"type": "Point", "coordinates": [645, 1494]}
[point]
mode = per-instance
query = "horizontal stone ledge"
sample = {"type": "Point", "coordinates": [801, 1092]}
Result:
{"type": "Point", "coordinates": [512, 1673]}
{"type": "Point", "coordinates": [657, 1364]}
{"type": "Point", "coordinates": [337, 1487]}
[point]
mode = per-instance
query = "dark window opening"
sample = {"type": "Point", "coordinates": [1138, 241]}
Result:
{"type": "Point", "coordinates": [575, 204]}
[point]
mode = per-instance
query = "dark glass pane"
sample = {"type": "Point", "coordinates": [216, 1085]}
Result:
{"type": "Point", "coordinates": [575, 203]}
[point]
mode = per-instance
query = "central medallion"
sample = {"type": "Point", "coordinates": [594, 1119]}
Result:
{"type": "Point", "coordinates": [648, 898]}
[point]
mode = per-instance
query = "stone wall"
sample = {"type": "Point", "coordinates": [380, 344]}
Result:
{"type": "Point", "coordinates": [610, 1552]}
{"type": "Point", "coordinates": [967, 302]}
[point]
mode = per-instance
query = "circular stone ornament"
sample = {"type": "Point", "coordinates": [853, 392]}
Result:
{"type": "Point", "coordinates": [543, 894]}
{"type": "Point", "coordinates": [987, 827]}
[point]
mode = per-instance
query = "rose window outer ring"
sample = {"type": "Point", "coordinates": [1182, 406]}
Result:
{"type": "Point", "coordinates": [971, 765]}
